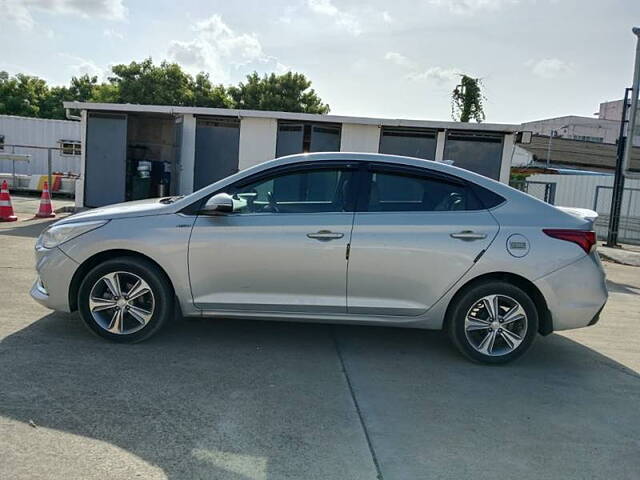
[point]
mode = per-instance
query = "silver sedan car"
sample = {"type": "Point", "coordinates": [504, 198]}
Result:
{"type": "Point", "coordinates": [333, 237]}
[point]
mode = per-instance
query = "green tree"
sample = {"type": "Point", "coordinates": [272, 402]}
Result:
{"type": "Point", "coordinates": [21, 94]}
{"type": "Point", "coordinates": [467, 100]}
{"type": "Point", "coordinates": [82, 89]}
{"type": "Point", "coordinates": [205, 94]}
{"type": "Point", "coordinates": [290, 92]}
{"type": "Point", "coordinates": [146, 83]}
{"type": "Point", "coordinates": [105, 93]}
{"type": "Point", "coordinates": [163, 84]}
{"type": "Point", "coordinates": [51, 104]}
{"type": "Point", "coordinates": [31, 97]}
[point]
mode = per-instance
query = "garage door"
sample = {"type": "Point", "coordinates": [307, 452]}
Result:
{"type": "Point", "coordinates": [217, 148]}
{"type": "Point", "coordinates": [410, 142]}
{"type": "Point", "coordinates": [105, 159]}
{"type": "Point", "coordinates": [306, 137]}
{"type": "Point", "coordinates": [478, 152]}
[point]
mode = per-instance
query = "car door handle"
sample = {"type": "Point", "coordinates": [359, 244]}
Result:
{"type": "Point", "coordinates": [468, 235]}
{"type": "Point", "coordinates": [325, 235]}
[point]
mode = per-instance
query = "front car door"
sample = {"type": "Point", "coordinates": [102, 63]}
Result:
{"type": "Point", "coordinates": [284, 247]}
{"type": "Point", "coordinates": [416, 236]}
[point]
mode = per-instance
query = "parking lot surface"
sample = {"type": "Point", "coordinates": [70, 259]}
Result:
{"type": "Point", "coordinates": [250, 400]}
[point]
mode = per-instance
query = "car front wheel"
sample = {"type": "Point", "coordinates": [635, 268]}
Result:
{"type": "Point", "coordinates": [493, 322]}
{"type": "Point", "coordinates": [125, 299]}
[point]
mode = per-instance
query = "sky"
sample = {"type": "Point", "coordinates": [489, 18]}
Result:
{"type": "Point", "coordinates": [400, 59]}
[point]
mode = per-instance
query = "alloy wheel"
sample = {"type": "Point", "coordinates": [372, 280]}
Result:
{"type": "Point", "coordinates": [121, 303]}
{"type": "Point", "coordinates": [495, 325]}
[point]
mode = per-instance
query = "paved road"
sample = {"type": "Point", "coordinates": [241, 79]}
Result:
{"type": "Point", "coordinates": [250, 400]}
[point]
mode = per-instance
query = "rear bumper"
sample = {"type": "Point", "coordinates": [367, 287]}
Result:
{"type": "Point", "coordinates": [575, 294]}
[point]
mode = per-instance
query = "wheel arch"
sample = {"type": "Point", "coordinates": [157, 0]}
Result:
{"type": "Point", "coordinates": [545, 320]}
{"type": "Point", "coordinates": [99, 258]}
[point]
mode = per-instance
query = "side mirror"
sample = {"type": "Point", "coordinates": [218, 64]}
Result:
{"type": "Point", "coordinates": [219, 204]}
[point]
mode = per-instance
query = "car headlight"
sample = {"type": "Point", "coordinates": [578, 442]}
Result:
{"type": "Point", "coordinates": [58, 234]}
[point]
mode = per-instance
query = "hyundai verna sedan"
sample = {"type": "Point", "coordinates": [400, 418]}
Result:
{"type": "Point", "coordinates": [333, 237]}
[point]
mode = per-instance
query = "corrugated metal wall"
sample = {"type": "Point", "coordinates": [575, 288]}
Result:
{"type": "Point", "coordinates": [39, 132]}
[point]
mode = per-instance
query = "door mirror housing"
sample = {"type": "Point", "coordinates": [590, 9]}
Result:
{"type": "Point", "coordinates": [219, 204]}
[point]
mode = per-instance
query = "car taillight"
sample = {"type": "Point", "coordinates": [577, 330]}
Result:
{"type": "Point", "coordinates": [585, 238]}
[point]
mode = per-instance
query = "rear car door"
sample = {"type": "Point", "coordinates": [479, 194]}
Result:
{"type": "Point", "coordinates": [284, 247]}
{"type": "Point", "coordinates": [414, 236]}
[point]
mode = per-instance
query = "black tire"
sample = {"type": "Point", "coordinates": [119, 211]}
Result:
{"type": "Point", "coordinates": [162, 291]}
{"type": "Point", "coordinates": [471, 298]}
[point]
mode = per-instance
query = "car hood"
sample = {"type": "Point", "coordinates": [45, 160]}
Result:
{"type": "Point", "coordinates": [138, 208]}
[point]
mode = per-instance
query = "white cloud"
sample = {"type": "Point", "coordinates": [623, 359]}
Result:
{"type": "Point", "coordinates": [216, 47]}
{"type": "Point", "coordinates": [14, 12]}
{"type": "Point", "coordinates": [344, 20]}
{"type": "Point", "coordinates": [20, 12]}
{"type": "Point", "coordinates": [80, 66]}
{"type": "Point", "coordinates": [437, 75]}
{"type": "Point", "coordinates": [281, 68]}
{"type": "Point", "coordinates": [400, 59]}
{"type": "Point", "coordinates": [469, 7]}
{"type": "Point", "coordinates": [109, 9]}
{"type": "Point", "coordinates": [549, 67]}
{"type": "Point", "coordinates": [188, 54]}
{"type": "Point", "coordinates": [289, 14]}
{"type": "Point", "coordinates": [113, 34]}
{"type": "Point", "coordinates": [324, 7]}
{"type": "Point", "coordinates": [386, 17]}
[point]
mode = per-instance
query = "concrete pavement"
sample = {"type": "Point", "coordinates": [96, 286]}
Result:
{"type": "Point", "coordinates": [251, 400]}
{"type": "Point", "coordinates": [626, 255]}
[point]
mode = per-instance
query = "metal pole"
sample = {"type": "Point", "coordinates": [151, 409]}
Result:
{"type": "Point", "coordinates": [13, 167]}
{"type": "Point", "coordinates": [618, 181]}
{"type": "Point", "coordinates": [49, 170]}
{"type": "Point", "coordinates": [634, 121]}
{"type": "Point", "coordinates": [549, 149]}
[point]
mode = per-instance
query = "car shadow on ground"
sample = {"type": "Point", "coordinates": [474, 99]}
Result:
{"type": "Point", "coordinates": [251, 400]}
{"type": "Point", "coordinates": [615, 287]}
{"type": "Point", "coordinates": [32, 227]}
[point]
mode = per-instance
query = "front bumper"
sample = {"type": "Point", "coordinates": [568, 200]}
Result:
{"type": "Point", "coordinates": [55, 271]}
{"type": "Point", "coordinates": [575, 294]}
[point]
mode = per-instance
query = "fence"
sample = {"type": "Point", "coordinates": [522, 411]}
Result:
{"type": "Point", "coordinates": [629, 228]}
{"type": "Point", "coordinates": [65, 183]}
{"type": "Point", "coordinates": [594, 192]}
{"type": "Point", "coordinates": [545, 191]}
{"type": "Point", "coordinates": [38, 161]}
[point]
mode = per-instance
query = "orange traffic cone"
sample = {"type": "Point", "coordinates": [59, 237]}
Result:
{"type": "Point", "coordinates": [45, 210]}
{"type": "Point", "coordinates": [6, 209]}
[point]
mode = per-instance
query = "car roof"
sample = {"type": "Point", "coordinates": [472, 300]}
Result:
{"type": "Point", "coordinates": [386, 158]}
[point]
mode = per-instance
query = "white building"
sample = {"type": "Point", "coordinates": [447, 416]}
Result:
{"type": "Point", "coordinates": [143, 151]}
{"type": "Point", "coordinates": [576, 128]}
{"type": "Point", "coordinates": [33, 136]}
{"type": "Point", "coordinates": [604, 129]}
{"type": "Point", "coordinates": [611, 110]}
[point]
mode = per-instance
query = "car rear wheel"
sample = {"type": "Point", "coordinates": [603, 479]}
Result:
{"type": "Point", "coordinates": [493, 322]}
{"type": "Point", "coordinates": [125, 299]}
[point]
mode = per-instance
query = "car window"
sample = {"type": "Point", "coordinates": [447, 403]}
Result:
{"type": "Point", "coordinates": [304, 191]}
{"type": "Point", "coordinates": [399, 192]}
